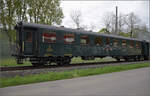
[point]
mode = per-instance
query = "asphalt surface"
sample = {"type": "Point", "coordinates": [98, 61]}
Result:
{"type": "Point", "coordinates": [127, 83]}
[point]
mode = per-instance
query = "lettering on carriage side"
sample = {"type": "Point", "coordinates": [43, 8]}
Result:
{"type": "Point", "coordinates": [47, 54]}
{"type": "Point", "coordinates": [67, 54]}
{"type": "Point", "coordinates": [49, 49]}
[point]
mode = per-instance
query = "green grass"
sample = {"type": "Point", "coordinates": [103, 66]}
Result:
{"type": "Point", "coordinates": [12, 61]}
{"type": "Point", "coordinates": [51, 76]}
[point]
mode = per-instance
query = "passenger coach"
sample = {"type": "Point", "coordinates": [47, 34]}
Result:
{"type": "Point", "coordinates": [44, 44]}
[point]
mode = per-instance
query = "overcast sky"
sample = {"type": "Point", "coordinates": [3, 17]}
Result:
{"type": "Point", "coordinates": [93, 11]}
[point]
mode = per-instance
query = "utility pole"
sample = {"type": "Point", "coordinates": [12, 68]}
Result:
{"type": "Point", "coordinates": [116, 25]}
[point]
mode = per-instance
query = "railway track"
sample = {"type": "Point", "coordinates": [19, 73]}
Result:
{"type": "Point", "coordinates": [31, 70]}
{"type": "Point", "coordinates": [58, 66]}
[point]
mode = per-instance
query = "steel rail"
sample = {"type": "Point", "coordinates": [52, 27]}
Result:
{"type": "Point", "coordinates": [58, 66]}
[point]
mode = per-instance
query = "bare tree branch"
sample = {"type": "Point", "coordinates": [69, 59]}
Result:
{"type": "Point", "coordinates": [132, 21]}
{"type": "Point", "coordinates": [76, 17]}
{"type": "Point", "coordinates": [109, 21]}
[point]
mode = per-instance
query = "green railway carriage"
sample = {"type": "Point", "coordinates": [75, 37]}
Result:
{"type": "Point", "coordinates": [44, 44]}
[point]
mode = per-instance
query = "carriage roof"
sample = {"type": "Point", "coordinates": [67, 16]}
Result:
{"type": "Point", "coordinates": [78, 31]}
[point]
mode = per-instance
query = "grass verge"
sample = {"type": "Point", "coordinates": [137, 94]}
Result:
{"type": "Point", "coordinates": [51, 76]}
{"type": "Point", "coordinates": [12, 62]}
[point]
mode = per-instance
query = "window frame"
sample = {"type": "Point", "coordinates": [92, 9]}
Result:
{"type": "Point", "coordinates": [28, 39]}
{"type": "Point", "coordinates": [86, 37]}
{"type": "Point", "coordinates": [131, 44]}
{"type": "Point", "coordinates": [98, 41]}
{"type": "Point", "coordinates": [108, 40]}
{"type": "Point", "coordinates": [70, 35]}
{"type": "Point", "coordinates": [138, 44]}
{"type": "Point", "coordinates": [115, 42]}
{"type": "Point", "coordinates": [124, 43]}
{"type": "Point", "coordinates": [48, 33]}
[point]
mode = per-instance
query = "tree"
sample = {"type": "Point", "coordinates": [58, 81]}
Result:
{"type": "Point", "coordinates": [7, 17]}
{"type": "Point", "coordinates": [109, 22]}
{"type": "Point", "coordinates": [126, 23]}
{"type": "Point", "coordinates": [104, 30]}
{"type": "Point", "coordinates": [92, 26]}
{"type": "Point", "coordinates": [21, 10]}
{"type": "Point", "coordinates": [121, 22]}
{"type": "Point", "coordinates": [45, 11]}
{"type": "Point", "coordinates": [132, 21]}
{"type": "Point", "coordinates": [143, 33]}
{"type": "Point", "coordinates": [76, 17]}
{"type": "Point", "coordinates": [89, 27]}
{"type": "Point", "coordinates": [144, 28]}
{"type": "Point", "coordinates": [36, 11]}
{"type": "Point", "coordinates": [124, 34]}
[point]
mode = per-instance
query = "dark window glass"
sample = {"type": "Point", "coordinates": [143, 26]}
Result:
{"type": "Point", "coordinates": [84, 40]}
{"type": "Point", "coordinates": [124, 42]}
{"type": "Point", "coordinates": [138, 44]}
{"type": "Point", "coordinates": [98, 41]}
{"type": "Point", "coordinates": [115, 42]}
{"type": "Point", "coordinates": [28, 36]}
{"type": "Point", "coordinates": [131, 45]}
{"type": "Point", "coordinates": [107, 40]}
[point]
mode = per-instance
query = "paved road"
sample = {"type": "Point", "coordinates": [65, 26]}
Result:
{"type": "Point", "coordinates": [127, 83]}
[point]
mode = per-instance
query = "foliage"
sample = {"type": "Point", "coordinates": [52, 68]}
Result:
{"type": "Point", "coordinates": [51, 76]}
{"type": "Point", "coordinates": [37, 11]}
{"type": "Point", "coordinates": [5, 62]}
{"type": "Point", "coordinates": [124, 34]}
{"type": "Point", "coordinates": [129, 25]}
{"type": "Point", "coordinates": [5, 51]}
{"type": "Point", "coordinates": [104, 30]}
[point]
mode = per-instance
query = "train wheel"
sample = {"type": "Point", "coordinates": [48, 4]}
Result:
{"type": "Point", "coordinates": [145, 57]}
{"type": "Point", "coordinates": [60, 63]}
{"type": "Point", "coordinates": [118, 59]}
{"type": "Point", "coordinates": [139, 58]}
{"type": "Point", "coordinates": [135, 59]}
{"type": "Point", "coordinates": [126, 59]}
{"type": "Point", "coordinates": [36, 64]}
{"type": "Point", "coordinates": [67, 60]}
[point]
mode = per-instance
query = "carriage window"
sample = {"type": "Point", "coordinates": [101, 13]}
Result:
{"type": "Point", "coordinates": [49, 37]}
{"type": "Point", "coordinates": [115, 42]}
{"type": "Point", "coordinates": [131, 45]}
{"type": "Point", "coordinates": [124, 42]}
{"type": "Point", "coordinates": [69, 38]}
{"type": "Point", "coordinates": [28, 37]}
{"type": "Point", "coordinates": [84, 40]}
{"type": "Point", "coordinates": [138, 44]}
{"type": "Point", "coordinates": [107, 40]}
{"type": "Point", "coordinates": [98, 40]}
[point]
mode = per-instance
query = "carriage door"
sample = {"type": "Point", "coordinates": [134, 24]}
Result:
{"type": "Point", "coordinates": [30, 43]}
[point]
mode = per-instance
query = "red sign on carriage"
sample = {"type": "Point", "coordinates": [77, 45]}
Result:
{"type": "Point", "coordinates": [49, 37]}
